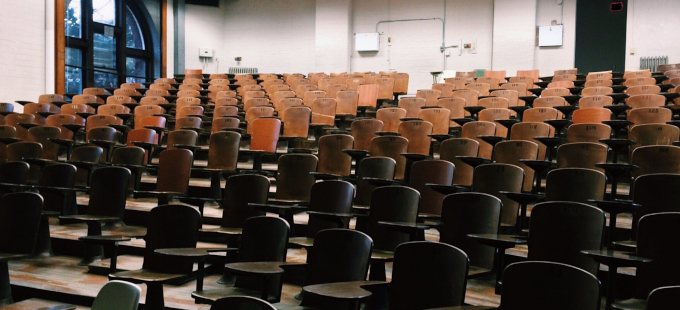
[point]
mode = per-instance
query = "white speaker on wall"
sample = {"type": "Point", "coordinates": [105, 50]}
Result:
{"type": "Point", "coordinates": [367, 42]}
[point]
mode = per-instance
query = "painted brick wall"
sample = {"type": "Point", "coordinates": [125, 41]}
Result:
{"type": "Point", "coordinates": [652, 30]}
{"type": "Point", "coordinates": [22, 58]}
{"type": "Point", "coordinates": [514, 35]}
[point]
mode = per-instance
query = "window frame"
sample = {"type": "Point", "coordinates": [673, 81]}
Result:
{"type": "Point", "coordinates": [86, 42]}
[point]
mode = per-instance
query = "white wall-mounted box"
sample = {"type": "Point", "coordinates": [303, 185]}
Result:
{"type": "Point", "coordinates": [367, 42]}
{"type": "Point", "coordinates": [206, 52]}
{"type": "Point", "coordinates": [550, 35]}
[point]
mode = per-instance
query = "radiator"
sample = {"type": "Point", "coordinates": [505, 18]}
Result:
{"type": "Point", "coordinates": [242, 70]}
{"type": "Point", "coordinates": [652, 63]}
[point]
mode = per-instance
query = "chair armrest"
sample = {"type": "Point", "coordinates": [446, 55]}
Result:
{"type": "Point", "coordinates": [104, 240]}
{"type": "Point", "coordinates": [405, 227]}
{"type": "Point", "coordinates": [194, 254]}
{"type": "Point", "coordinates": [524, 198]}
{"type": "Point", "coordinates": [382, 182]}
{"type": "Point", "coordinates": [616, 258]}
{"type": "Point", "coordinates": [447, 189]}
{"type": "Point", "coordinates": [288, 202]}
{"type": "Point", "coordinates": [347, 291]}
{"type": "Point", "coordinates": [415, 156]}
{"type": "Point", "coordinates": [90, 218]}
{"type": "Point", "coordinates": [616, 206]}
{"type": "Point", "coordinates": [324, 176]}
{"type": "Point", "coordinates": [499, 241]}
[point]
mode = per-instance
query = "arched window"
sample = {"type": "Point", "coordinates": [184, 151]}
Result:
{"type": "Point", "coordinates": [108, 42]}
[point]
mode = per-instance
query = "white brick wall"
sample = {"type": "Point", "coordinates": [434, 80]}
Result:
{"type": "Point", "coordinates": [22, 56]}
{"type": "Point", "coordinates": [652, 30]}
{"type": "Point", "coordinates": [514, 35]}
{"type": "Point", "coordinates": [274, 36]}
{"type": "Point", "coordinates": [333, 35]}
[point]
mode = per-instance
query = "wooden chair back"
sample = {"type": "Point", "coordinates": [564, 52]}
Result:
{"type": "Point", "coordinates": [431, 171]}
{"type": "Point", "coordinates": [643, 90]}
{"type": "Point", "coordinates": [265, 134]}
{"type": "Point", "coordinates": [646, 101]}
{"type": "Point", "coordinates": [653, 134]}
{"type": "Point", "coordinates": [239, 191]}
{"type": "Point", "coordinates": [108, 192]}
{"type": "Point", "coordinates": [456, 107]}
{"type": "Point", "coordinates": [15, 119]}
{"type": "Point", "coordinates": [372, 167]}
{"type": "Point", "coordinates": [363, 131]}
{"type": "Point", "coordinates": [58, 175]}
{"type": "Point", "coordinates": [471, 96]}
{"type": "Point", "coordinates": [181, 137]}
{"type": "Point", "coordinates": [555, 91]}
{"type": "Point", "coordinates": [471, 213]}
{"type": "Point", "coordinates": [581, 155]}
{"type": "Point", "coordinates": [494, 83]}
{"type": "Point", "coordinates": [174, 171]}
{"type": "Point", "coordinates": [591, 116]}
{"type": "Point", "coordinates": [439, 117]}
{"type": "Point", "coordinates": [412, 105]}
{"type": "Point", "coordinates": [170, 226]}
{"type": "Point", "coordinates": [655, 159]}
{"type": "Point", "coordinates": [481, 88]}
{"type": "Point", "coordinates": [43, 135]}
{"type": "Point", "coordinates": [472, 130]}
{"type": "Point", "coordinates": [439, 280]}
{"type": "Point", "coordinates": [225, 111]}
{"type": "Point", "coordinates": [20, 215]}
{"type": "Point", "coordinates": [391, 118]}
{"type": "Point", "coordinates": [595, 102]}
{"type": "Point", "coordinates": [493, 114]}
{"type": "Point", "coordinates": [445, 89]}
{"type": "Point", "coordinates": [296, 121]}
{"type": "Point", "coordinates": [293, 178]}
{"type": "Point", "coordinates": [575, 184]}
{"type": "Point", "coordinates": [451, 148]}
{"type": "Point", "coordinates": [417, 133]}
{"type": "Point", "coordinates": [588, 132]}
{"type": "Point", "coordinates": [256, 113]}
{"type": "Point", "coordinates": [642, 116]}
{"type": "Point", "coordinates": [598, 83]}
{"type": "Point", "coordinates": [331, 158]}
{"type": "Point", "coordinates": [323, 111]}
{"type": "Point", "coordinates": [392, 147]}
{"type": "Point", "coordinates": [391, 204]}
{"type": "Point", "coordinates": [511, 152]}
{"type": "Point", "coordinates": [492, 179]}
{"type": "Point", "coordinates": [561, 84]}
{"type": "Point", "coordinates": [656, 240]}
{"type": "Point", "coordinates": [528, 131]}
{"type": "Point", "coordinates": [385, 88]}
{"type": "Point", "coordinates": [430, 95]}
{"type": "Point", "coordinates": [509, 95]}
{"type": "Point", "coordinates": [458, 82]}
{"type": "Point", "coordinates": [347, 101]}
{"type": "Point", "coordinates": [286, 103]}
{"type": "Point", "coordinates": [333, 196]}
{"type": "Point", "coordinates": [368, 95]}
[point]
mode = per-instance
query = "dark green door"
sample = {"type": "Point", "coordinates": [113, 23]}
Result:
{"type": "Point", "coordinates": [601, 35]}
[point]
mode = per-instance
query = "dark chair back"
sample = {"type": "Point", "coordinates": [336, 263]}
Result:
{"type": "Point", "coordinates": [373, 167]}
{"type": "Point", "coordinates": [108, 193]}
{"type": "Point", "coordinates": [239, 191]}
{"type": "Point", "coordinates": [264, 239]}
{"type": "Point", "coordinates": [333, 196]}
{"type": "Point", "coordinates": [170, 226]}
{"type": "Point", "coordinates": [14, 172]}
{"type": "Point", "coordinates": [656, 193]}
{"type": "Point", "coordinates": [492, 179]}
{"type": "Point", "coordinates": [331, 158]}
{"type": "Point", "coordinates": [547, 285]}
{"type": "Point", "coordinates": [58, 175]}
{"type": "Point", "coordinates": [19, 221]}
{"type": "Point", "coordinates": [293, 180]}
{"type": "Point", "coordinates": [241, 303]}
{"type": "Point", "coordinates": [663, 298]}
{"type": "Point", "coordinates": [560, 230]}
{"type": "Point", "coordinates": [471, 213]}
{"type": "Point", "coordinates": [431, 171]}
{"type": "Point", "coordinates": [88, 154]}
{"type": "Point", "coordinates": [223, 151]}
{"type": "Point", "coordinates": [391, 204]}
{"type": "Point", "coordinates": [658, 238]}
{"type": "Point", "coordinates": [338, 255]}
{"type": "Point", "coordinates": [428, 275]}
{"type": "Point", "coordinates": [174, 170]}
{"type": "Point", "coordinates": [574, 184]}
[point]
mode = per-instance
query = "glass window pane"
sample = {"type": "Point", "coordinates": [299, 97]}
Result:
{"type": "Point", "coordinates": [104, 11]}
{"type": "Point", "coordinates": [133, 31]}
{"type": "Point", "coordinates": [73, 20]}
{"type": "Point", "coordinates": [104, 79]}
{"type": "Point", "coordinates": [104, 51]}
{"type": "Point", "coordinates": [135, 67]}
{"type": "Point", "coordinates": [74, 57]}
{"type": "Point", "coordinates": [74, 80]}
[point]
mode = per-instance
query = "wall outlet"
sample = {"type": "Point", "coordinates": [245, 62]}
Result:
{"type": "Point", "coordinates": [632, 51]}
{"type": "Point", "coordinates": [206, 52]}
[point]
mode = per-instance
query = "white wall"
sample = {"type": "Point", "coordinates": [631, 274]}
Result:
{"type": "Point", "coordinates": [333, 35]}
{"type": "Point", "coordinates": [22, 56]}
{"type": "Point", "coordinates": [549, 59]}
{"type": "Point", "coordinates": [274, 36]}
{"type": "Point", "coordinates": [652, 30]}
{"type": "Point", "coordinates": [514, 35]}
